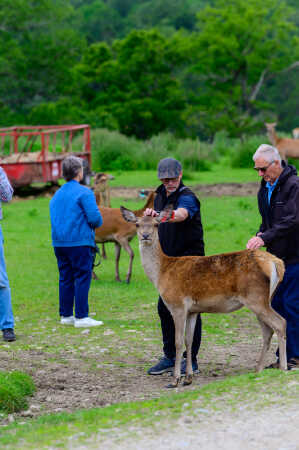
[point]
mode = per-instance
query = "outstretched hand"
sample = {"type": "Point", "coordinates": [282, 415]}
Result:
{"type": "Point", "coordinates": [255, 243]}
{"type": "Point", "coordinates": [150, 212]}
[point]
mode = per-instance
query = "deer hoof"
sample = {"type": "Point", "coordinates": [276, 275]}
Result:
{"type": "Point", "coordinates": [174, 384]}
{"type": "Point", "coordinates": [188, 380]}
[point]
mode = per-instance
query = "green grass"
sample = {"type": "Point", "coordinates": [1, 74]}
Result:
{"type": "Point", "coordinates": [14, 389]}
{"type": "Point", "coordinates": [218, 174]}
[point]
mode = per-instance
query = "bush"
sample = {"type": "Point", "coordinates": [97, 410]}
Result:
{"type": "Point", "coordinates": [244, 151]}
{"type": "Point", "coordinates": [114, 151]}
{"type": "Point", "coordinates": [14, 388]}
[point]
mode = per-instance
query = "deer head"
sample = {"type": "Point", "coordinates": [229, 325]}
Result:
{"type": "Point", "coordinates": [147, 226]}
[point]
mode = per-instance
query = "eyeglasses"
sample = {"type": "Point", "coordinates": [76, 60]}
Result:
{"type": "Point", "coordinates": [263, 169]}
{"type": "Point", "coordinates": [169, 180]}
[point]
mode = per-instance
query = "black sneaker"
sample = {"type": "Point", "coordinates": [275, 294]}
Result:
{"type": "Point", "coordinates": [8, 335]}
{"type": "Point", "coordinates": [293, 364]}
{"type": "Point", "coordinates": [184, 365]}
{"type": "Point", "coordinates": [164, 365]}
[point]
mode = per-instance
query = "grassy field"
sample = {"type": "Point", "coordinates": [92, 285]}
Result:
{"type": "Point", "coordinates": [228, 223]}
{"type": "Point", "coordinates": [217, 174]}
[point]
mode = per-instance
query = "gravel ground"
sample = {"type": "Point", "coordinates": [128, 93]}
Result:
{"type": "Point", "coordinates": [275, 428]}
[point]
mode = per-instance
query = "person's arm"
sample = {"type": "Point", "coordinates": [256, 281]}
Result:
{"type": "Point", "coordinates": [6, 191]}
{"type": "Point", "coordinates": [91, 210]}
{"type": "Point", "coordinates": [178, 215]}
{"type": "Point", "coordinates": [288, 220]}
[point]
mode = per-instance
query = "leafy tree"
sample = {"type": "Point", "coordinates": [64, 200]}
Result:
{"type": "Point", "coordinates": [132, 83]}
{"type": "Point", "coordinates": [98, 21]}
{"type": "Point", "coordinates": [239, 45]}
{"type": "Point", "coordinates": [37, 50]}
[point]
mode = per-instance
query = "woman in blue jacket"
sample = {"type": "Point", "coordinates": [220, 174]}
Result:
{"type": "Point", "coordinates": [74, 216]}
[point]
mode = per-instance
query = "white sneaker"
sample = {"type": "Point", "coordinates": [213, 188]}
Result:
{"type": "Point", "coordinates": [67, 320]}
{"type": "Point", "coordinates": [87, 322]}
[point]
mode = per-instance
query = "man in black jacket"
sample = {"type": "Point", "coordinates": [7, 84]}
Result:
{"type": "Point", "coordinates": [278, 200]}
{"type": "Point", "coordinates": [181, 236]}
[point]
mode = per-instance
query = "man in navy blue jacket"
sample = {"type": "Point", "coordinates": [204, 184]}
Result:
{"type": "Point", "coordinates": [278, 200]}
{"type": "Point", "coordinates": [74, 216]}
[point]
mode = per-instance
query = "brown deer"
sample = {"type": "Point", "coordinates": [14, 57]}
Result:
{"type": "Point", "coordinates": [116, 229]}
{"type": "Point", "coordinates": [288, 148]}
{"type": "Point", "coordinates": [296, 133]}
{"type": "Point", "coordinates": [101, 190]}
{"type": "Point", "coordinates": [210, 284]}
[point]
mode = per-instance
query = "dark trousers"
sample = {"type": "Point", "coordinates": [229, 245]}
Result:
{"type": "Point", "coordinates": [286, 303]}
{"type": "Point", "coordinates": [168, 332]}
{"type": "Point", "coordinates": [75, 269]}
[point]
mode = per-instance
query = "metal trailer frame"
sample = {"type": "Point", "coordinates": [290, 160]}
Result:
{"type": "Point", "coordinates": [47, 164]}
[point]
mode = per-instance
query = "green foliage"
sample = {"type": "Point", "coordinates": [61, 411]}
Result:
{"type": "Point", "coordinates": [14, 388]}
{"type": "Point", "coordinates": [134, 83]}
{"type": "Point", "coordinates": [244, 150]}
{"type": "Point", "coordinates": [114, 151]}
{"type": "Point", "coordinates": [38, 49]}
{"type": "Point", "coordinates": [233, 51]}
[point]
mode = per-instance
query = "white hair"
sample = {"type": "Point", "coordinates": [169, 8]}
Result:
{"type": "Point", "coordinates": [268, 153]}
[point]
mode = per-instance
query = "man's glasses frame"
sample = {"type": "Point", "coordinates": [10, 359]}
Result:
{"type": "Point", "coordinates": [263, 169]}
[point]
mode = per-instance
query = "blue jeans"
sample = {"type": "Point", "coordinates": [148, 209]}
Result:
{"type": "Point", "coordinates": [75, 270]}
{"type": "Point", "coordinates": [6, 315]}
{"type": "Point", "coordinates": [286, 303]}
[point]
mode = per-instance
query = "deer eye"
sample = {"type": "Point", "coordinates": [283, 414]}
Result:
{"type": "Point", "coordinates": [137, 225]}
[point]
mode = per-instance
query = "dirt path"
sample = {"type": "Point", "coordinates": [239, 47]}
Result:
{"type": "Point", "coordinates": [203, 190]}
{"type": "Point", "coordinates": [275, 428]}
{"type": "Point", "coordinates": [73, 379]}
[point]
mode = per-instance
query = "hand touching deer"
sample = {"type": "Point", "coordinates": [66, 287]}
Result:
{"type": "Point", "coordinates": [212, 284]}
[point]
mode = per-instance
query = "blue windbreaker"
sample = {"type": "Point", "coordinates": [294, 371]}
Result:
{"type": "Point", "coordinates": [74, 216]}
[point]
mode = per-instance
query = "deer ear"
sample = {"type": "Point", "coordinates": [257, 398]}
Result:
{"type": "Point", "coordinates": [128, 215]}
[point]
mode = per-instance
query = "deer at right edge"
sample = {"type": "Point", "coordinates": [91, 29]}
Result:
{"type": "Point", "coordinates": [288, 148]}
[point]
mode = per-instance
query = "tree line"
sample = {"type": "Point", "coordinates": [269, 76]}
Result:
{"type": "Point", "coordinates": [204, 67]}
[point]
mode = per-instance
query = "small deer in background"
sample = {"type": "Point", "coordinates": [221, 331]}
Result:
{"type": "Point", "coordinates": [116, 229]}
{"type": "Point", "coordinates": [288, 148]}
{"type": "Point", "coordinates": [295, 133]}
{"type": "Point", "coordinates": [101, 190]}
{"type": "Point", "coordinates": [221, 283]}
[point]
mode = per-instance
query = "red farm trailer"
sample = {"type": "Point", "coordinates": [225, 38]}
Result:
{"type": "Point", "coordinates": [34, 154]}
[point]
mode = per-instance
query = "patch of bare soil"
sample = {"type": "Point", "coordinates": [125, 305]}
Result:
{"type": "Point", "coordinates": [202, 190]}
{"type": "Point", "coordinates": [66, 381]}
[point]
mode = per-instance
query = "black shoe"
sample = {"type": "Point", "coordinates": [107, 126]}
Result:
{"type": "Point", "coordinates": [293, 364]}
{"type": "Point", "coordinates": [164, 365]}
{"type": "Point", "coordinates": [184, 365]}
{"type": "Point", "coordinates": [8, 335]}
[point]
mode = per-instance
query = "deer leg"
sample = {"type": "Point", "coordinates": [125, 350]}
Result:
{"type": "Point", "coordinates": [190, 326]}
{"type": "Point", "coordinates": [117, 256]}
{"type": "Point", "coordinates": [125, 244]}
{"type": "Point", "coordinates": [179, 318]}
{"type": "Point", "coordinates": [94, 275]}
{"type": "Point", "coordinates": [104, 256]}
{"type": "Point", "coordinates": [278, 324]}
{"type": "Point", "coordinates": [267, 336]}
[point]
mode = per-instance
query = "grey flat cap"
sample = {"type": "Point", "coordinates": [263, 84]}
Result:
{"type": "Point", "coordinates": [169, 168]}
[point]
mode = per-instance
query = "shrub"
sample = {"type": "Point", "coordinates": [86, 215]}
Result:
{"type": "Point", "coordinates": [114, 151]}
{"type": "Point", "coordinates": [14, 388]}
{"type": "Point", "coordinates": [243, 151]}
